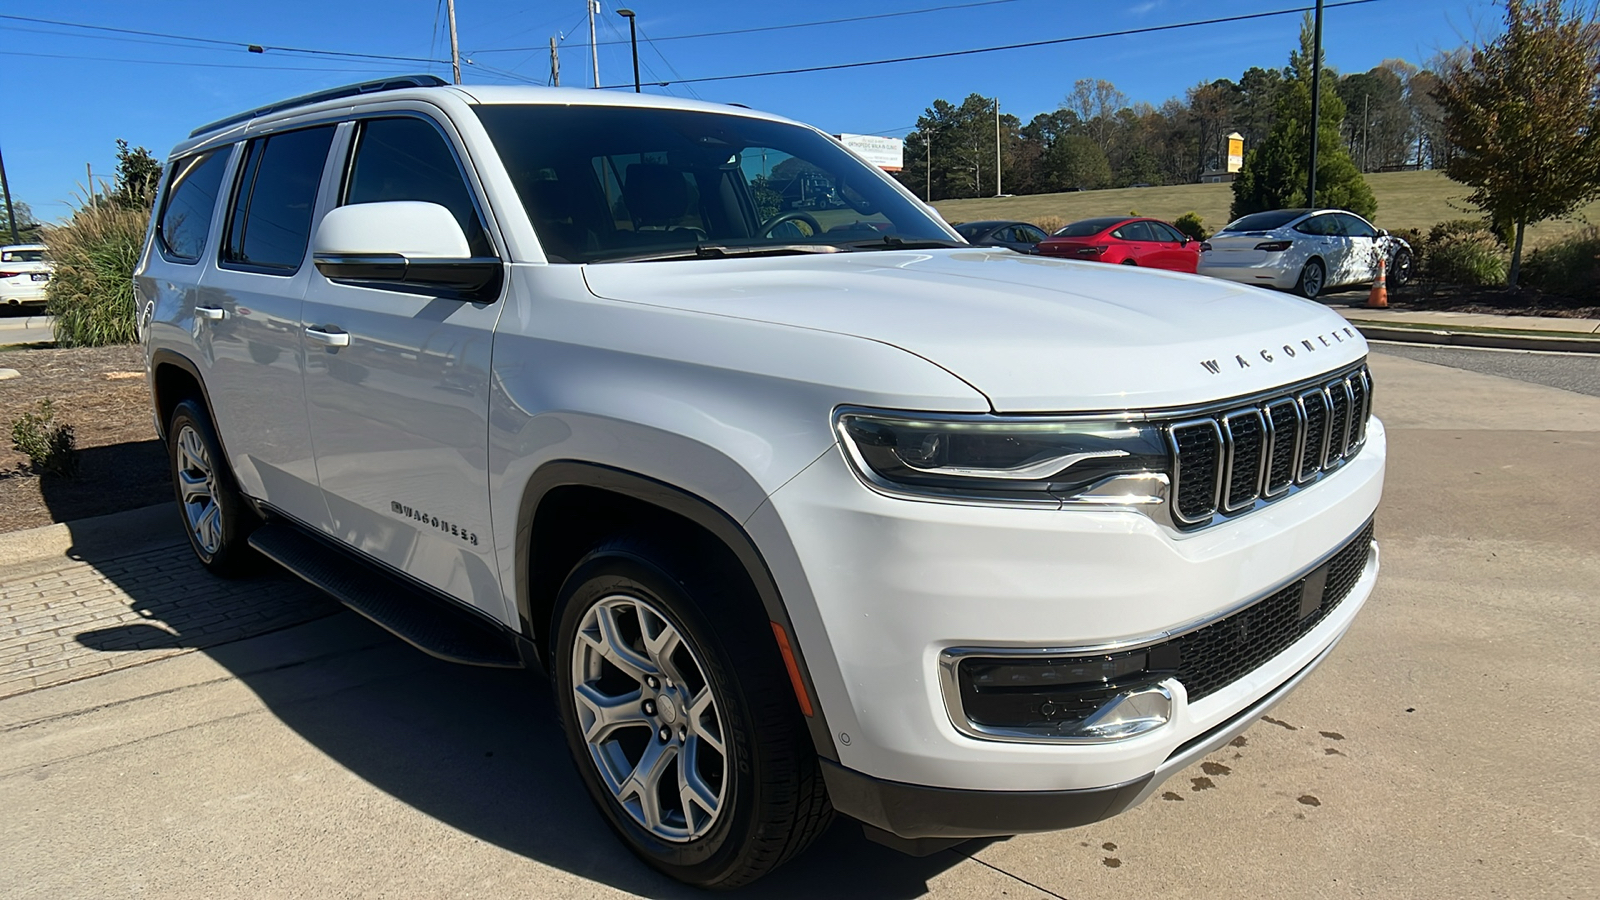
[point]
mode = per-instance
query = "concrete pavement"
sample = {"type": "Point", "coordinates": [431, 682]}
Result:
{"type": "Point", "coordinates": [1445, 749]}
{"type": "Point", "coordinates": [26, 329]}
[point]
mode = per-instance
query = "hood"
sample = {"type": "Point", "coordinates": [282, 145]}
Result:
{"type": "Point", "coordinates": [1031, 334]}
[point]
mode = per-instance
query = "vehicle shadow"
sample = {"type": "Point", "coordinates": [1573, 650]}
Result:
{"type": "Point", "coordinates": [126, 475]}
{"type": "Point", "coordinates": [477, 749]}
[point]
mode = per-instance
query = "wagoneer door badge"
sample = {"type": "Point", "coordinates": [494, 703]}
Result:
{"type": "Point", "coordinates": [451, 528]}
{"type": "Point", "coordinates": [1269, 355]}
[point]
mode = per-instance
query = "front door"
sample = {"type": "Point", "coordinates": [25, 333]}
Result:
{"type": "Point", "coordinates": [399, 410]}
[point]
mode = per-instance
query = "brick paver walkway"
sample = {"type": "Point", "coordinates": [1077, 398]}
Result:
{"type": "Point", "coordinates": [83, 618]}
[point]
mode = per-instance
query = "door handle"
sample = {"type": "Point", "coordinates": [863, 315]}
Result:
{"type": "Point", "coordinates": [331, 338]}
{"type": "Point", "coordinates": [210, 312]}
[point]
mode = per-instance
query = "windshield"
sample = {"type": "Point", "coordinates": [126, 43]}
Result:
{"type": "Point", "coordinates": [612, 182]}
{"type": "Point", "coordinates": [1087, 227]}
{"type": "Point", "coordinates": [1265, 221]}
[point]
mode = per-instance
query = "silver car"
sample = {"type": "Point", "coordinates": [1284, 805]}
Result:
{"type": "Point", "coordinates": [1304, 250]}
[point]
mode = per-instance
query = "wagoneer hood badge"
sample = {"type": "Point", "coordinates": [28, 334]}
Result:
{"type": "Point", "coordinates": [1032, 334]}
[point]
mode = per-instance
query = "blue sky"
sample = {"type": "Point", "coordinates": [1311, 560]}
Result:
{"type": "Point", "coordinates": [72, 92]}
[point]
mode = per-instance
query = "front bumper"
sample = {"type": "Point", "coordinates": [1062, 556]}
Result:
{"type": "Point", "coordinates": [879, 587]}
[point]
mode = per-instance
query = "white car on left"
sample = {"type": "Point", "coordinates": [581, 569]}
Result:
{"type": "Point", "coordinates": [24, 271]}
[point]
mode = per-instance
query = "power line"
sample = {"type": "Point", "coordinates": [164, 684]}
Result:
{"type": "Point", "coordinates": [172, 62]}
{"type": "Point", "coordinates": [704, 34]}
{"type": "Point", "coordinates": [200, 40]}
{"type": "Point", "coordinates": [1022, 46]}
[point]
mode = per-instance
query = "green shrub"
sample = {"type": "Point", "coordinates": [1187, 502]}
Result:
{"type": "Point", "coordinates": [1570, 266]}
{"type": "Point", "coordinates": [48, 446]}
{"type": "Point", "coordinates": [91, 291]}
{"type": "Point", "coordinates": [1191, 224]}
{"type": "Point", "coordinates": [1470, 258]}
{"type": "Point", "coordinates": [1452, 228]}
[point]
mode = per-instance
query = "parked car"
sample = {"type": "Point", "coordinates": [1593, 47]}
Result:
{"type": "Point", "coordinates": [1127, 240]}
{"type": "Point", "coordinates": [1019, 236]}
{"type": "Point", "coordinates": [24, 271]}
{"type": "Point", "coordinates": [1308, 251]}
{"type": "Point", "coordinates": [949, 540]}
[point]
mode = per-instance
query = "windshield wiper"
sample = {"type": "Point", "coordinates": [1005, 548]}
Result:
{"type": "Point", "coordinates": [896, 242]}
{"type": "Point", "coordinates": [722, 251]}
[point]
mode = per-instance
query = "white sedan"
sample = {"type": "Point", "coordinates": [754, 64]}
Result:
{"type": "Point", "coordinates": [24, 271]}
{"type": "Point", "coordinates": [1306, 250]}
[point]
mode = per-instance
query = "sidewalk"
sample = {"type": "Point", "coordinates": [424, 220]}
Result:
{"type": "Point", "coordinates": [112, 592]}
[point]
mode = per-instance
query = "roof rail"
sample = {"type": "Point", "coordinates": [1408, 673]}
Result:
{"type": "Point", "coordinates": [393, 83]}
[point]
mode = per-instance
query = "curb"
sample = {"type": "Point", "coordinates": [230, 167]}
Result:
{"type": "Point", "coordinates": [9, 324]}
{"type": "Point", "coordinates": [118, 534]}
{"type": "Point", "coordinates": [1427, 335]}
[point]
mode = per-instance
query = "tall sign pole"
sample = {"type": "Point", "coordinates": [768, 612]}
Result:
{"type": "Point", "coordinates": [1316, 104]}
{"type": "Point", "coordinates": [455, 48]}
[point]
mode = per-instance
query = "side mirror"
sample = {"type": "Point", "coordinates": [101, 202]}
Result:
{"type": "Point", "coordinates": [1186, 240]}
{"type": "Point", "coordinates": [404, 245]}
{"type": "Point", "coordinates": [1383, 232]}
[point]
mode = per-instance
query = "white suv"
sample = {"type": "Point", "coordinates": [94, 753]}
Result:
{"type": "Point", "coordinates": [803, 504]}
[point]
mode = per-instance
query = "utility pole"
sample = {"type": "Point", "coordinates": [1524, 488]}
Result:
{"type": "Point", "coordinates": [555, 65]}
{"type": "Point", "coordinates": [455, 48]}
{"type": "Point", "coordinates": [11, 214]}
{"type": "Point", "coordinates": [1316, 105]}
{"type": "Point", "coordinates": [594, 48]}
{"type": "Point", "coordinates": [997, 146]}
{"type": "Point", "coordinates": [929, 192]}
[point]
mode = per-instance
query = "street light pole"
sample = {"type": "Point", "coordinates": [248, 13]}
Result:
{"type": "Point", "coordinates": [633, 39]}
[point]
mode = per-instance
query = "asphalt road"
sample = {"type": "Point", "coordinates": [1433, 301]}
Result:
{"type": "Point", "coordinates": [1446, 749]}
{"type": "Point", "coordinates": [25, 325]}
{"type": "Point", "coordinates": [1578, 372]}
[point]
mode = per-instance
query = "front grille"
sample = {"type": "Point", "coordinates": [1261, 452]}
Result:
{"type": "Point", "coordinates": [1046, 696]}
{"type": "Point", "coordinates": [1227, 462]}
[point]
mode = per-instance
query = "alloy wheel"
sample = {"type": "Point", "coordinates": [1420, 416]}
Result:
{"type": "Point", "coordinates": [649, 719]}
{"type": "Point", "coordinates": [197, 490]}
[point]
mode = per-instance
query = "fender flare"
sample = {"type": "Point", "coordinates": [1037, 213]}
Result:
{"type": "Point", "coordinates": [702, 512]}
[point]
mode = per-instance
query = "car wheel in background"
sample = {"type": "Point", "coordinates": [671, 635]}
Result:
{"type": "Point", "coordinates": [1311, 280]}
{"type": "Point", "coordinates": [1400, 268]}
{"type": "Point", "coordinates": [680, 716]}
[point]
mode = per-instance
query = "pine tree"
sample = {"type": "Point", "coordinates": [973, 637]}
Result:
{"type": "Point", "coordinates": [1274, 174]}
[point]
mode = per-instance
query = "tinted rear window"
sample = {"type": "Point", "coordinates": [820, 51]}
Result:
{"type": "Point", "coordinates": [191, 196]}
{"type": "Point", "coordinates": [1265, 221]}
{"type": "Point", "coordinates": [271, 221]}
{"type": "Point", "coordinates": [1087, 227]}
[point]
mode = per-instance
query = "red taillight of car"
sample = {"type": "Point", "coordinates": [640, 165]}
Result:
{"type": "Point", "coordinates": [1205, 246]}
{"type": "Point", "coordinates": [9, 274]}
{"type": "Point", "coordinates": [1273, 246]}
{"type": "Point", "coordinates": [1092, 251]}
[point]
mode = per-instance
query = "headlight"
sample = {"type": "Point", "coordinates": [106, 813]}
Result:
{"type": "Point", "coordinates": [1039, 460]}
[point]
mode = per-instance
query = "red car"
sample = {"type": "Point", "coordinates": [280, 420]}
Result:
{"type": "Point", "coordinates": [1129, 240]}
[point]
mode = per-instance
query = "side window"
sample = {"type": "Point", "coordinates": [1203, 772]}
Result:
{"type": "Point", "coordinates": [1030, 234]}
{"type": "Point", "coordinates": [407, 159]}
{"type": "Point", "coordinates": [1165, 232]}
{"type": "Point", "coordinates": [1318, 225]}
{"type": "Point", "coordinates": [1354, 227]}
{"type": "Point", "coordinates": [269, 222]}
{"type": "Point", "coordinates": [191, 196]}
{"type": "Point", "coordinates": [1137, 231]}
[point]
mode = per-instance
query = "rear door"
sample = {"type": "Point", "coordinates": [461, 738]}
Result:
{"type": "Point", "coordinates": [1142, 247]}
{"type": "Point", "coordinates": [399, 413]}
{"type": "Point", "coordinates": [247, 318]}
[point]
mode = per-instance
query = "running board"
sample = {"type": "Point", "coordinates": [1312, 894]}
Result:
{"type": "Point", "coordinates": [428, 623]}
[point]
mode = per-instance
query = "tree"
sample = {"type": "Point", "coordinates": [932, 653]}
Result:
{"type": "Point", "coordinates": [27, 225]}
{"type": "Point", "coordinates": [1274, 174]}
{"type": "Point", "coordinates": [1096, 101]}
{"type": "Point", "coordinates": [1523, 116]}
{"type": "Point", "coordinates": [1383, 136]}
{"type": "Point", "coordinates": [138, 175]}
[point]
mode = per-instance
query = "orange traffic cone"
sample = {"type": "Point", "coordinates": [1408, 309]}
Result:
{"type": "Point", "coordinates": [1378, 298]}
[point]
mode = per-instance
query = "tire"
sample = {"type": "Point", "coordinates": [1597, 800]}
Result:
{"type": "Point", "coordinates": [216, 516]}
{"type": "Point", "coordinates": [1129, 262]}
{"type": "Point", "coordinates": [1400, 269]}
{"type": "Point", "coordinates": [1313, 278]}
{"type": "Point", "coordinates": [710, 675]}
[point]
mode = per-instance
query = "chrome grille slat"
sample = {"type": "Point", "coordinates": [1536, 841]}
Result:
{"type": "Point", "coordinates": [1228, 461]}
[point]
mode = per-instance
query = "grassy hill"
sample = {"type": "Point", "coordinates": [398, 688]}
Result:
{"type": "Point", "coordinates": [1405, 200]}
